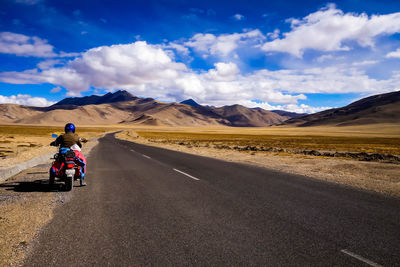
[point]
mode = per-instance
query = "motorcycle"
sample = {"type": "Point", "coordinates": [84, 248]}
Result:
{"type": "Point", "coordinates": [66, 167]}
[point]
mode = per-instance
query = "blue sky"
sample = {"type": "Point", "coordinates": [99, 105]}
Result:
{"type": "Point", "coordinates": [300, 56]}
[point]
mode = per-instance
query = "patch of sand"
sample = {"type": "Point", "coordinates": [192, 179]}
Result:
{"type": "Point", "coordinates": [23, 148]}
{"type": "Point", "coordinates": [22, 214]}
{"type": "Point", "coordinates": [383, 178]}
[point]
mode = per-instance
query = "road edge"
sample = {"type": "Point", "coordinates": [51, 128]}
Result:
{"type": "Point", "coordinates": [14, 170]}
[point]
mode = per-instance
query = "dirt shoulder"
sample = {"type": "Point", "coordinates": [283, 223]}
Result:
{"type": "Point", "coordinates": [379, 177]}
{"type": "Point", "coordinates": [26, 205]}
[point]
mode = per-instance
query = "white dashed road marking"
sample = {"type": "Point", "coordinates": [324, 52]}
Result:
{"type": "Point", "coordinates": [146, 156]}
{"type": "Point", "coordinates": [360, 258]}
{"type": "Point", "coordinates": [188, 175]}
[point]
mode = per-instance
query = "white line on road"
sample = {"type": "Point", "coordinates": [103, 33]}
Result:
{"type": "Point", "coordinates": [188, 175]}
{"type": "Point", "coordinates": [360, 258]}
{"type": "Point", "coordinates": [132, 150]}
{"type": "Point", "coordinates": [146, 156]}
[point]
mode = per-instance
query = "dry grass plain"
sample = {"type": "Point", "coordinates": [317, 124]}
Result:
{"type": "Point", "coordinates": [367, 144]}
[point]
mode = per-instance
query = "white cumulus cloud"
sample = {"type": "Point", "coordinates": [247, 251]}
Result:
{"type": "Point", "coordinates": [28, 46]}
{"type": "Point", "coordinates": [225, 85]}
{"type": "Point", "coordinates": [274, 35]}
{"type": "Point", "coordinates": [224, 44]}
{"type": "Point", "coordinates": [302, 108]}
{"type": "Point", "coordinates": [365, 63]}
{"type": "Point", "coordinates": [25, 100]}
{"type": "Point", "coordinates": [394, 54]}
{"type": "Point", "coordinates": [22, 45]}
{"type": "Point", "coordinates": [107, 67]}
{"type": "Point", "coordinates": [49, 63]}
{"type": "Point", "coordinates": [328, 29]}
{"type": "Point", "coordinates": [238, 17]}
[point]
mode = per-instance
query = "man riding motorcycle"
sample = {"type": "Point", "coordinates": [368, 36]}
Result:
{"type": "Point", "coordinates": [70, 140]}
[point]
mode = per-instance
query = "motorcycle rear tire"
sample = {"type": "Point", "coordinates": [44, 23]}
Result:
{"type": "Point", "coordinates": [51, 180]}
{"type": "Point", "coordinates": [69, 183]}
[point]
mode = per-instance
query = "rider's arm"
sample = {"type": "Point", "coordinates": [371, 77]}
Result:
{"type": "Point", "coordinates": [79, 142]}
{"type": "Point", "coordinates": [57, 142]}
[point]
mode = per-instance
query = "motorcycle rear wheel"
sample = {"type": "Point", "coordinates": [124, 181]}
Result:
{"type": "Point", "coordinates": [69, 183]}
{"type": "Point", "coordinates": [51, 180]}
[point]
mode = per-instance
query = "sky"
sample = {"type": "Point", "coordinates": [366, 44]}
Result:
{"type": "Point", "coordinates": [300, 56]}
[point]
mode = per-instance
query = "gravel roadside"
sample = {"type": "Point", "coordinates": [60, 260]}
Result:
{"type": "Point", "coordinates": [26, 205]}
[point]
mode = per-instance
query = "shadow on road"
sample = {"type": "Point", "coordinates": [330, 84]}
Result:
{"type": "Point", "coordinates": [35, 186]}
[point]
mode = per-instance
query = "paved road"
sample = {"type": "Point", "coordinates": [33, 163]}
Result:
{"type": "Point", "coordinates": [145, 206]}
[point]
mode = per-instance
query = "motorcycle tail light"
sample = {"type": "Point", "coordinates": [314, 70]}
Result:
{"type": "Point", "coordinates": [70, 166]}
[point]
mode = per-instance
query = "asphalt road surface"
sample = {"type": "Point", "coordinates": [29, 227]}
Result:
{"type": "Point", "coordinates": [150, 206]}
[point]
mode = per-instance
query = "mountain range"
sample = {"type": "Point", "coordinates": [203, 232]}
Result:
{"type": "Point", "coordinates": [383, 108]}
{"type": "Point", "coordinates": [122, 107]}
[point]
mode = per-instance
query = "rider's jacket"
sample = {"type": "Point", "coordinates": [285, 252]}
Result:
{"type": "Point", "coordinates": [67, 140]}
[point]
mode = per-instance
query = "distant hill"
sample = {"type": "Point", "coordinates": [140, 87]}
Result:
{"type": "Point", "coordinates": [383, 108]}
{"type": "Point", "coordinates": [118, 96]}
{"type": "Point", "coordinates": [238, 115]}
{"type": "Point", "coordinates": [241, 116]}
{"type": "Point", "coordinates": [10, 113]}
{"type": "Point", "coordinates": [289, 114]}
{"type": "Point", "coordinates": [190, 102]}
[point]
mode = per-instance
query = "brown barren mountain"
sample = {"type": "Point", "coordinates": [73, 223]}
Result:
{"type": "Point", "coordinates": [241, 116]}
{"type": "Point", "coordinates": [123, 108]}
{"type": "Point", "coordinates": [10, 113]}
{"type": "Point", "coordinates": [383, 108]}
{"type": "Point", "coordinates": [134, 110]}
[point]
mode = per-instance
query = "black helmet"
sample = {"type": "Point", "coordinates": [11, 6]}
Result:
{"type": "Point", "coordinates": [69, 127]}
